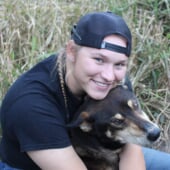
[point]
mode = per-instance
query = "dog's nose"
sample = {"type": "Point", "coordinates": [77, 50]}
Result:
{"type": "Point", "coordinates": [153, 134]}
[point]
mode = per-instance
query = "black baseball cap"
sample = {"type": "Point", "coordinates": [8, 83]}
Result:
{"type": "Point", "coordinates": [92, 28]}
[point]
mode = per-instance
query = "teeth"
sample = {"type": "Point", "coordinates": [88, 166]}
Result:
{"type": "Point", "coordinates": [101, 84]}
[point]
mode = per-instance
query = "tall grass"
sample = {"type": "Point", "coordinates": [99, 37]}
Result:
{"type": "Point", "coordinates": [32, 29]}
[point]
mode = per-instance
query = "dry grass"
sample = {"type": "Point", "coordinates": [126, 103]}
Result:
{"type": "Point", "coordinates": [32, 29]}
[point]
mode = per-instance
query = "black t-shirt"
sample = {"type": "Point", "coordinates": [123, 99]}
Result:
{"type": "Point", "coordinates": [33, 115]}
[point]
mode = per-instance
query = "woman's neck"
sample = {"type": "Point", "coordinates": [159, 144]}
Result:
{"type": "Point", "coordinates": [71, 82]}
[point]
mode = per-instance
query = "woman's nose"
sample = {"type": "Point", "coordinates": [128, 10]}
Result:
{"type": "Point", "coordinates": [108, 74]}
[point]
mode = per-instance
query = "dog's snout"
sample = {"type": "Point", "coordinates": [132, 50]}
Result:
{"type": "Point", "coordinates": [153, 134]}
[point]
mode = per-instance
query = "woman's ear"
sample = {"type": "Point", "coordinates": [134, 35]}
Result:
{"type": "Point", "coordinates": [71, 50]}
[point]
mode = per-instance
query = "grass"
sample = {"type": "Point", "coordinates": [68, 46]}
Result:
{"type": "Point", "coordinates": [30, 30]}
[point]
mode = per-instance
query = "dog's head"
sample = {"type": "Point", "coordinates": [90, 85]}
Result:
{"type": "Point", "coordinates": [116, 119]}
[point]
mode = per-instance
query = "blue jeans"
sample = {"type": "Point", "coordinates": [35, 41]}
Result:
{"type": "Point", "coordinates": [4, 166]}
{"type": "Point", "coordinates": [156, 160]}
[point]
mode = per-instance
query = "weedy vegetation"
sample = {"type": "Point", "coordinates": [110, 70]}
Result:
{"type": "Point", "coordinates": [31, 30]}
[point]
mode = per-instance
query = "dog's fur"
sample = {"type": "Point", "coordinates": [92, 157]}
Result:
{"type": "Point", "coordinates": [101, 128]}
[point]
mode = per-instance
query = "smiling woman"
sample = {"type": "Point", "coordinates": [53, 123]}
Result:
{"type": "Point", "coordinates": [105, 69]}
{"type": "Point", "coordinates": [40, 103]}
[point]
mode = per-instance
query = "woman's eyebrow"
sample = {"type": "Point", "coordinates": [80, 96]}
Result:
{"type": "Point", "coordinates": [99, 54]}
{"type": "Point", "coordinates": [106, 57]}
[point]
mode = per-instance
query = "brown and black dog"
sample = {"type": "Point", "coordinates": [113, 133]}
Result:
{"type": "Point", "coordinates": [102, 127]}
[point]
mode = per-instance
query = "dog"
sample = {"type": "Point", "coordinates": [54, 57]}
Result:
{"type": "Point", "coordinates": [101, 128]}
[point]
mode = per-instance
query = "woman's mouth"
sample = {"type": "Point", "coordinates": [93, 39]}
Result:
{"type": "Point", "coordinates": [102, 85]}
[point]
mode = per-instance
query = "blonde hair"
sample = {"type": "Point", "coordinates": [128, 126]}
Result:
{"type": "Point", "coordinates": [61, 67]}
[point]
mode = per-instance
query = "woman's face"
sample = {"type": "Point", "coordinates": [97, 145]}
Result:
{"type": "Point", "coordinates": [96, 71]}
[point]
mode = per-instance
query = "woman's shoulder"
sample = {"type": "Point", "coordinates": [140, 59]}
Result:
{"type": "Point", "coordinates": [39, 82]}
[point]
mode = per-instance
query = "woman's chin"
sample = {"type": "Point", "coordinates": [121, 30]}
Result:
{"type": "Point", "coordinates": [98, 96]}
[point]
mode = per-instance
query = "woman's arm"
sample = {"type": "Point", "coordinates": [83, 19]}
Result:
{"type": "Point", "coordinates": [132, 158]}
{"type": "Point", "coordinates": [57, 159]}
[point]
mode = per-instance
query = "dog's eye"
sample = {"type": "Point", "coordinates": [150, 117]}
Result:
{"type": "Point", "coordinates": [117, 120]}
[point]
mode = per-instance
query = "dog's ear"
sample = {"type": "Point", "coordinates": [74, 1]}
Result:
{"type": "Point", "coordinates": [83, 122]}
{"type": "Point", "coordinates": [127, 83]}
{"type": "Point", "coordinates": [86, 126]}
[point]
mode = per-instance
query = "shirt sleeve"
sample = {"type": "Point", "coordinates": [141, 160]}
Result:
{"type": "Point", "coordinates": [38, 123]}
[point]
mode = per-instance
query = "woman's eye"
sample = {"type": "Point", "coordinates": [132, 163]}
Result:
{"type": "Point", "coordinates": [120, 65]}
{"type": "Point", "coordinates": [99, 60]}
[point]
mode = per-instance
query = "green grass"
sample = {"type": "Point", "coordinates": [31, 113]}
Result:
{"type": "Point", "coordinates": [30, 30]}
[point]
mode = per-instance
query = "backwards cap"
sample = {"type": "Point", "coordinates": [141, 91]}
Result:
{"type": "Point", "coordinates": [92, 28]}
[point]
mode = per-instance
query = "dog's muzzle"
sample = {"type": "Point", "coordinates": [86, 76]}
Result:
{"type": "Point", "coordinates": [153, 134]}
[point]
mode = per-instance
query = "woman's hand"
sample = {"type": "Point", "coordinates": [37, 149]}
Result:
{"type": "Point", "coordinates": [131, 158]}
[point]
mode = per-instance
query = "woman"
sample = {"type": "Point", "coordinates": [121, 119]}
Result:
{"type": "Point", "coordinates": [42, 101]}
